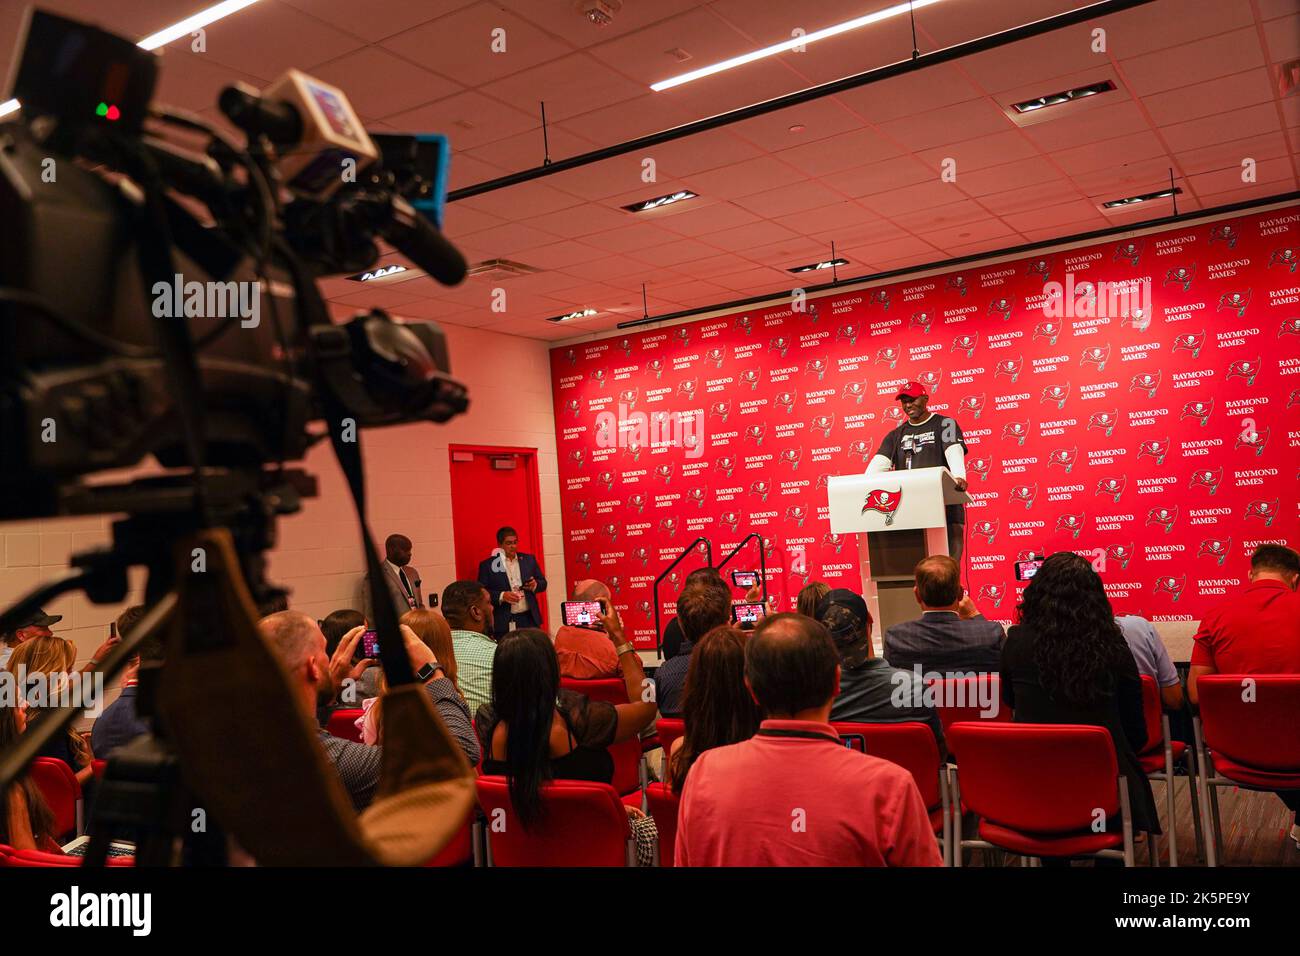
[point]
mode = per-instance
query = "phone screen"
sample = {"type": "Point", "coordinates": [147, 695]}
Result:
{"type": "Point", "coordinates": [747, 613]}
{"type": "Point", "coordinates": [1027, 569]}
{"type": "Point", "coordinates": [744, 579]}
{"type": "Point", "coordinates": [370, 644]}
{"type": "Point", "coordinates": [582, 614]}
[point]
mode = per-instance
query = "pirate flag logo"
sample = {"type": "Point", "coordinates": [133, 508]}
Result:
{"type": "Point", "coordinates": [598, 376]}
{"type": "Point", "coordinates": [1190, 342]}
{"type": "Point", "coordinates": [610, 531]}
{"type": "Point", "coordinates": [855, 391]}
{"type": "Point", "coordinates": [642, 555]}
{"type": "Point", "coordinates": [786, 401]}
{"type": "Point", "coordinates": [745, 324]}
{"type": "Point", "coordinates": [849, 333]}
{"type": "Point", "coordinates": [580, 507]}
{"type": "Point", "coordinates": [1182, 275]}
{"type": "Point", "coordinates": [921, 320]}
{"type": "Point", "coordinates": [1145, 382]}
{"type": "Point", "coordinates": [750, 377]}
{"type": "Point", "coordinates": [956, 284]}
{"type": "Point", "coordinates": [714, 357]}
{"type": "Point", "coordinates": [731, 520]}
{"type": "Point", "coordinates": [879, 297]}
{"type": "Point", "coordinates": [755, 433]}
{"type": "Point", "coordinates": [1165, 517]}
{"type": "Point", "coordinates": [1017, 430]}
{"type": "Point", "coordinates": [1206, 478]}
{"type": "Point", "coordinates": [973, 404]}
{"type": "Point", "coordinates": [726, 464]}
{"type": "Point", "coordinates": [860, 449]}
{"type": "Point", "coordinates": [1289, 327]}
{"type": "Point", "coordinates": [813, 313]}
{"type": "Point", "coordinates": [628, 397]}
{"type": "Point", "coordinates": [584, 559]}
{"type": "Point", "coordinates": [606, 478]}
{"type": "Point", "coordinates": [573, 406]}
{"type": "Point", "coordinates": [790, 456]}
{"type": "Point", "coordinates": [720, 409]}
{"type": "Point", "coordinates": [931, 379]}
{"type": "Point", "coordinates": [817, 367]}
{"type": "Point", "coordinates": [637, 501]}
{"type": "Point", "coordinates": [1214, 548]}
{"type": "Point", "coordinates": [1198, 410]}
{"type": "Point", "coordinates": [1047, 330]}
{"type": "Point", "coordinates": [833, 540]}
{"type": "Point", "coordinates": [823, 481]}
{"type": "Point", "coordinates": [615, 583]}
{"type": "Point", "coordinates": [1266, 510]}
{"type": "Point", "coordinates": [1137, 319]}
{"type": "Point", "coordinates": [1123, 553]}
{"type": "Point", "coordinates": [780, 345]}
{"type": "Point", "coordinates": [1244, 368]}
{"type": "Point", "coordinates": [1001, 307]}
{"type": "Point", "coordinates": [1097, 355]}
{"type": "Point", "coordinates": [1064, 457]}
{"type": "Point", "coordinates": [644, 607]}
{"type": "Point", "coordinates": [683, 334]}
{"type": "Point", "coordinates": [626, 346]}
{"type": "Point", "coordinates": [823, 424]}
{"type": "Point", "coordinates": [1111, 487]}
{"type": "Point", "coordinates": [1287, 256]}
{"type": "Point", "coordinates": [688, 388]}
{"type": "Point", "coordinates": [760, 488]}
{"type": "Point", "coordinates": [1224, 233]}
{"type": "Point", "coordinates": [1103, 420]}
{"type": "Point", "coordinates": [979, 466]}
{"type": "Point", "coordinates": [674, 579]}
{"type": "Point", "coordinates": [578, 457]}
{"type": "Point", "coordinates": [992, 592]}
{"type": "Point", "coordinates": [884, 502]}
{"type": "Point", "coordinates": [665, 472]}
{"type": "Point", "coordinates": [1025, 493]}
{"type": "Point", "coordinates": [892, 414]}
{"type": "Point", "coordinates": [987, 530]}
{"type": "Point", "coordinates": [1129, 252]}
{"type": "Point", "coordinates": [1234, 301]}
{"type": "Point", "coordinates": [634, 449]}
{"type": "Point", "coordinates": [1009, 368]}
{"type": "Point", "coordinates": [1171, 585]}
{"type": "Point", "coordinates": [1041, 268]}
{"type": "Point", "coordinates": [696, 495]}
{"type": "Point", "coordinates": [656, 366]}
{"type": "Point", "coordinates": [1293, 398]}
{"type": "Point", "coordinates": [888, 356]}
{"type": "Point", "coordinates": [965, 343]}
{"type": "Point", "coordinates": [1254, 440]}
{"type": "Point", "coordinates": [1057, 394]}
{"type": "Point", "coordinates": [669, 525]}
{"type": "Point", "coordinates": [1155, 448]}
{"type": "Point", "coordinates": [1070, 523]}
{"type": "Point", "coordinates": [797, 513]}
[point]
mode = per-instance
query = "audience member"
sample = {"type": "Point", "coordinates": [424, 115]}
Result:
{"type": "Point", "coordinates": [809, 596]}
{"type": "Point", "coordinates": [36, 624]}
{"type": "Point", "coordinates": [943, 640]}
{"type": "Point", "coordinates": [716, 705]}
{"type": "Point", "coordinates": [870, 690]}
{"type": "Point", "coordinates": [54, 659]}
{"type": "Point", "coordinates": [702, 607]}
{"type": "Point", "coordinates": [297, 642]}
{"type": "Point", "coordinates": [26, 822]}
{"type": "Point", "coordinates": [335, 626]}
{"type": "Point", "coordinates": [585, 653]}
{"type": "Point", "coordinates": [434, 631]}
{"type": "Point", "coordinates": [673, 637]}
{"type": "Point", "coordinates": [1152, 658]}
{"type": "Point", "coordinates": [119, 724]}
{"type": "Point", "coordinates": [468, 609]}
{"type": "Point", "coordinates": [532, 731]}
{"type": "Point", "coordinates": [793, 795]}
{"type": "Point", "coordinates": [1066, 662]}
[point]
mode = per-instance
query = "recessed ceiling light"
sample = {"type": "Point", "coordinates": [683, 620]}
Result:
{"type": "Point", "coordinates": [580, 314]}
{"type": "Point", "coordinates": [1066, 96]}
{"type": "Point", "coordinates": [391, 272]}
{"type": "Point", "coordinates": [814, 266]}
{"type": "Point", "coordinates": [792, 43]}
{"type": "Point", "coordinates": [658, 201]}
{"type": "Point", "coordinates": [1145, 197]}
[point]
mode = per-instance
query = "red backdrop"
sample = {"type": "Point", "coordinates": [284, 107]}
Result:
{"type": "Point", "coordinates": [1158, 437]}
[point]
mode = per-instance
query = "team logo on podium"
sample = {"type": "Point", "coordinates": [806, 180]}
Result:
{"type": "Point", "coordinates": [1226, 233]}
{"type": "Point", "coordinates": [1206, 478]}
{"type": "Point", "coordinates": [987, 530]}
{"type": "Point", "coordinates": [1123, 553]}
{"type": "Point", "coordinates": [823, 424]}
{"type": "Point", "coordinates": [1047, 330]}
{"type": "Point", "coordinates": [1155, 448]}
{"type": "Point", "coordinates": [1198, 410]}
{"type": "Point", "coordinates": [1129, 252]}
{"type": "Point", "coordinates": [1214, 548]}
{"type": "Point", "coordinates": [965, 343]}
{"type": "Point", "coordinates": [1111, 487]}
{"type": "Point", "coordinates": [860, 449]}
{"type": "Point", "coordinates": [665, 472]}
{"type": "Point", "coordinates": [973, 404]}
{"type": "Point", "coordinates": [790, 456]}
{"type": "Point", "coordinates": [1171, 585]}
{"type": "Point", "coordinates": [1009, 367]}
{"type": "Point", "coordinates": [797, 513]}
{"type": "Point", "coordinates": [993, 592]}
{"type": "Point", "coordinates": [1025, 493]}
{"type": "Point", "coordinates": [1235, 302]}
{"type": "Point", "coordinates": [849, 333]}
{"type": "Point", "coordinates": [1070, 523]}
{"type": "Point", "coordinates": [1289, 327]}
{"type": "Point", "coordinates": [720, 410]}
{"type": "Point", "coordinates": [637, 501]}
{"type": "Point", "coordinates": [725, 464]}
{"type": "Point", "coordinates": [887, 356]}
{"type": "Point", "coordinates": [1145, 382]}
{"type": "Point", "coordinates": [1244, 368]}
{"type": "Point", "coordinates": [715, 357]}
{"type": "Point", "coordinates": [1055, 393]}
{"type": "Point", "coordinates": [956, 284]}
{"type": "Point", "coordinates": [836, 541]}
{"type": "Point", "coordinates": [1017, 430]}
{"type": "Point", "coordinates": [921, 320]}
{"type": "Point", "coordinates": [1264, 510]}
{"type": "Point", "coordinates": [1097, 355]}
{"type": "Point", "coordinates": [1165, 517]}
{"type": "Point", "coordinates": [1180, 275]}
{"type": "Point", "coordinates": [760, 488]}
{"type": "Point", "coordinates": [1001, 307]}
{"type": "Point", "coordinates": [979, 466]}
{"type": "Point", "coordinates": [1286, 256]}
{"type": "Point", "coordinates": [1104, 420]}
{"type": "Point", "coordinates": [1256, 441]}
{"type": "Point", "coordinates": [855, 391]}
{"type": "Point", "coordinates": [697, 496]}
{"type": "Point", "coordinates": [1064, 457]}
{"type": "Point", "coordinates": [780, 345]}
{"type": "Point", "coordinates": [884, 502]}
{"type": "Point", "coordinates": [1189, 342]}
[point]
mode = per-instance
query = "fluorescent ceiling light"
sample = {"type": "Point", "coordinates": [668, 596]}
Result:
{"type": "Point", "coordinates": [580, 314]}
{"type": "Point", "coordinates": [814, 266]}
{"type": "Point", "coordinates": [168, 34]}
{"type": "Point", "coordinates": [1066, 96]}
{"type": "Point", "coordinates": [792, 43]}
{"type": "Point", "coordinates": [390, 272]}
{"type": "Point", "coordinates": [1145, 197]}
{"type": "Point", "coordinates": [647, 204]}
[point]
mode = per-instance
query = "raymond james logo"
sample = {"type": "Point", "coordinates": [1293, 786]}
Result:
{"type": "Point", "coordinates": [76, 909]}
{"type": "Point", "coordinates": [209, 300]}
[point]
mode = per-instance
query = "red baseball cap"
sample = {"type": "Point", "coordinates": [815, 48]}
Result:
{"type": "Point", "coordinates": [912, 390]}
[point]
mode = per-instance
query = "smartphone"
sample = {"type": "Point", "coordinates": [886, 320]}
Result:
{"type": "Point", "coordinates": [743, 613]}
{"type": "Point", "coordinates": [369, 644]}
{"type": "Point", "coordinates": [1027, 569]}
{"type": "Point", "coordinates": [744, 579]}
{"type": "Point", "coordinates": [582, 614]}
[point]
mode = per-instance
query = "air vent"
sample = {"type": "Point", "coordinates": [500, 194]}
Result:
{"type": "Point", "coordinates": [498, 270]}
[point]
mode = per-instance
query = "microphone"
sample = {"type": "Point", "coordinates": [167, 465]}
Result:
{"type": "Point", "coordinates": [416, 238]}
{"type": "Point", "coordinates": [276, 120]}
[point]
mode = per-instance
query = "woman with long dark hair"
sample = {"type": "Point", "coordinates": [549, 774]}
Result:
{"type": "Point", "coordinates": [1066, 662]}
{"type": "Point", "coordinates": [716, 704]}
{"type": "Point", "coordinates": [26, 823]}
{"type": "Point", "coordinates": [532, 731]}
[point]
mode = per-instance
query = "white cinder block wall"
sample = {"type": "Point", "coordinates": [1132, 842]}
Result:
{"type": "Point", "coordinates": [408, 485]}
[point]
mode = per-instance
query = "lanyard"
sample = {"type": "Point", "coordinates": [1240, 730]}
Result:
{"type": "Point", "coordinates": [804, 734]}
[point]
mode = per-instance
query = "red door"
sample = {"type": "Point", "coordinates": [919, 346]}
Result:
{"type": "Point", "coordinates": [491, 487]}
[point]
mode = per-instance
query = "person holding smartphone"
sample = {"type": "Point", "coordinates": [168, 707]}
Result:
{"type": "Point", "coordinates": [584, 652]}
{"type": "Point", "coordinates": [513, 579]}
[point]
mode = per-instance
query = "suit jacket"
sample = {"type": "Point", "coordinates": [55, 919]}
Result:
{"type": "Point", "coordinates": [942, 642]}
{"type": "Point", "coordinates": [396, 593]}
{"type": "Point", "coordinates": [498, 582]}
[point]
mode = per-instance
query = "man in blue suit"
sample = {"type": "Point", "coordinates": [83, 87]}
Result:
{"type": "Point", "coordinates": [513, 581]}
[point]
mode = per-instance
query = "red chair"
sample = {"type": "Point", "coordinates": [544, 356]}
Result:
{"type": "Point", "coordinates": [669, 729]}
{"type": "Point", "coordinates": [663, 805]}
{"type": "Point", "coordinates": [630, 774]}
{"type": "Point", "coordinates": [462, 850]}
{"type": "Point", "coordinates": [1157, 761]}
{"type": "Point", "coordinates": [62, 793]}
{"type": "Point", "coordinates": [1036, 789]}
{"type": "Point", "coordinates": [343, 723]}
{"type": "Point", "coordinates": [969, 698]}
{"type": "Point", "coordinates": [913, 747]}
{"type": "Point", "coordinates": [97, 767]}
{"type": "Point", "coordinates": [585, 824]}
{"type": "Point", "coordinates": [1247, 735]}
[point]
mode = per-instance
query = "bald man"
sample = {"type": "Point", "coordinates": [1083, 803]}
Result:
{"type": "Point", "coordinates": [402, 580]}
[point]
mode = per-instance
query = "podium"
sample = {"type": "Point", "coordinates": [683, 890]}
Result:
{"type": "Point", "coordinates": [898, 518]}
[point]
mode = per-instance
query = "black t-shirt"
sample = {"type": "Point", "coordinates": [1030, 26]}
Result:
{"type": "Point", "coordinates": [923, 446]}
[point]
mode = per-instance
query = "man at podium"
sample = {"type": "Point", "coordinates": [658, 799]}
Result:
{"type": "Point", "coordinates": [927, 440]}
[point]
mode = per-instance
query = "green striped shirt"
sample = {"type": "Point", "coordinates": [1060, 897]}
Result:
{"type": "Point", "coordinates": [474, 655]}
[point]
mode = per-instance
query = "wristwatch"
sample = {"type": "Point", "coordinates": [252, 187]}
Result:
{"type": "Point", "coordinates": [623, 648]}
{"type": "Point", "coordinates": [428, 670]}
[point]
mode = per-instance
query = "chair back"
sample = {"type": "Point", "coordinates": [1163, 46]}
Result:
{"type": "Point", "coordinates": [1038, 778]}
{"type": "Point", "coordinates": [663, 805]}
{"type": "Point", "coordinates": [612, 690]}
{"type": "Point", "coordinates": [460, 851]}
{"type": "Point", "coordinates": [627, 755]}
{"type": "Point", "coordinates": [343, 723]}
{"type": "Point", "coordinates": [583, 824]}
{"type": "Point", "coordinates": [1253, 720]}
{"type": "Point", "coordinates": [959, 698]}
{"type": "Point", "coordinates": [1153, 709]}
{"type": "Point", "coordinates": [911, 745]}
{"type": "Point", "coordinates": [62, 793]}
{"type": "Point", "coordinates": [669, 730]}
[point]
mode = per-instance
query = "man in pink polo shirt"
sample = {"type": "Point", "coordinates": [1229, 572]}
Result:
{"type": "Point", "coordinates": [585, 653]}
{"type": "Point", "coordinates": [794, 795]}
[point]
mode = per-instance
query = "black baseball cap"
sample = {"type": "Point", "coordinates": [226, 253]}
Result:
{"type": "Point", "coordinates": [38, 618]}
{"type": "Point", "coordinates": [845, 615]}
